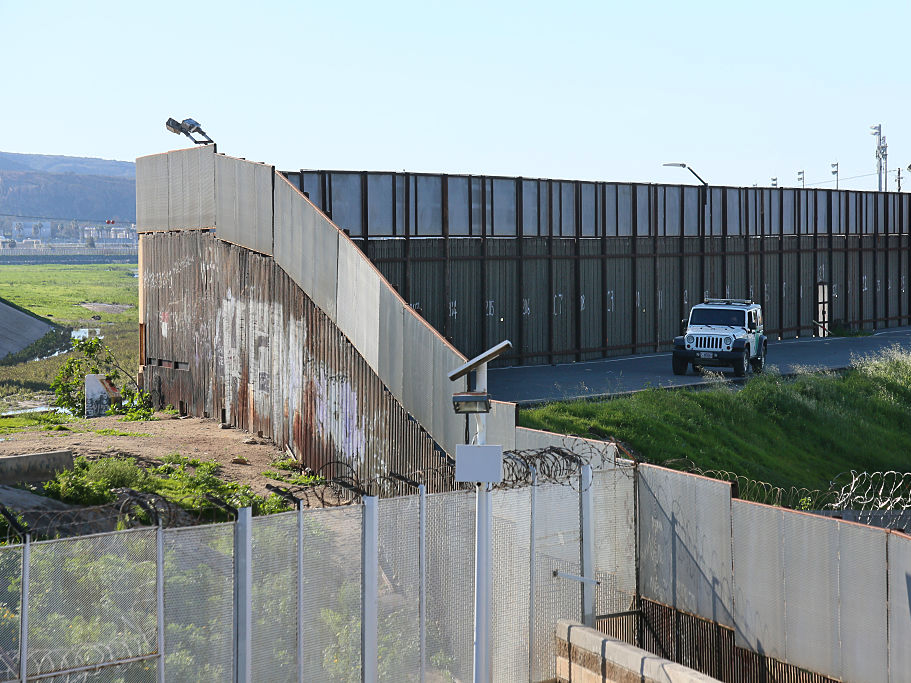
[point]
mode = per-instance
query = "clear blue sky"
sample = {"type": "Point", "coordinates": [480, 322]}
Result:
{"type": "Point", "coordinates": [599, 90]}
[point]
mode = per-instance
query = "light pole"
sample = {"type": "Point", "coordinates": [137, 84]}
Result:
{"type": "Point", "coordinates": [679, 164]}
{"type": "Point", "coordinates": [877, 131]}
{"type": "Point", "coordinates": [801, 179]}
{"type": "Point", "coordinates": [835, 173]}
{"type": "Point", "coordinates": [482, 464]}
{"type": "Point", "coordinates": [774, 182]}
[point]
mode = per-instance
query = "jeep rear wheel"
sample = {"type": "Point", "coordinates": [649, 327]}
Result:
{"type": "Point", "coordinates": [758, 362]}
{"type": "Point", "coordinates": [679, 365]}
{"type": "Point", "coordinates": [743, 364]}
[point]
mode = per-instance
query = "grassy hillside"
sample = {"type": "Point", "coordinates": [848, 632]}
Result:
{"type": "Point", "coordinates": [56, 292]}
{"type": "Point", "coordinates": [799, 431]}
{"type": "Point", "coordinates": [67, 195]}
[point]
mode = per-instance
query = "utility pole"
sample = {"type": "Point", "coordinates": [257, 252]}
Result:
{"type": "Point", "coordinates": [835, 173]}
{"type": "Point", "coordinates": [877, 131]}
{"type": "Point", "coordinates": [898, 178]}
{"type": "Point", "coordinates": [800, 179]}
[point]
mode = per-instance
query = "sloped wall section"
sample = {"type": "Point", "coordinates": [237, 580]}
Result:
{"type": "Point", "coordinates": [238, 330]}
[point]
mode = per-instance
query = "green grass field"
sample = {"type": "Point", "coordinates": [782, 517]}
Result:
{"type": "Point", "coordinates": [799, 431]}
{"type": "Point", "coordinates": [56, 292]}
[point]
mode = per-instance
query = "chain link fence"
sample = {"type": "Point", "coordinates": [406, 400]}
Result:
{"type": "Point", "coordinates": [295, 596]}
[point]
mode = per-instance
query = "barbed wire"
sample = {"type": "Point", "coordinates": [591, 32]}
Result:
{"type": "Point", "coordinates": [872, 491]}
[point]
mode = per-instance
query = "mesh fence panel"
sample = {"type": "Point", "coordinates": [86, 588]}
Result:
{"type": "Point", "coordinates": [614, 552]}
{"type": "Point", "coordinates": [10, 600]}
{"type": "Point", "coordinates": [92, 600]}
{"type": "Point", "coordinates": [511, 573]}
{"type": "Point", "coordinates": [135, 672]}
{"type": "Point", "coordinates": [398, 636]}
{"type": "Point", "coordinates": [557, 537]}
{"type": "Point", "coordinates": [199, 603]}
{"type": "Point", "coordinates": [450, 585]}
{"type": "Point", "coordinates": [274, 602]}
{"type": "Point", "coordinates": [331, 618]}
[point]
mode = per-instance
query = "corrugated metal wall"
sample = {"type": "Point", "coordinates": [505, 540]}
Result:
{"type": "Point", "coordinates": [236, 339]}
{"type": "Point", "coordinates": [571, 270]}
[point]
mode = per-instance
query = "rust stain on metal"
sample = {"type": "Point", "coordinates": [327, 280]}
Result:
{"type": "Point", "coordinates": [245, 342]}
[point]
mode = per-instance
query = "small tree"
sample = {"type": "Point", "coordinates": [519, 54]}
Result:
{"type": "Point", "coordinates": [97, 359]}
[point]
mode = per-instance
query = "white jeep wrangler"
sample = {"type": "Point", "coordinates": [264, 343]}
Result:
{"type": "Point", "coordinates": [722, 332]}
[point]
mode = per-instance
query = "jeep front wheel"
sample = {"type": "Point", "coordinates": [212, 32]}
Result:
{"type": "Point", "coordinates": [742, 364]}
{"type": "Point", "coordinates": [758, 362]}
{"type": "Point", "coordinates": [679, 365]}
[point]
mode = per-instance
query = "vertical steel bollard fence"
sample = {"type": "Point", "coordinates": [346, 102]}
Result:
{"type": "Point", "coordinates": [243, 595]}
{"type": "Point", "coordinates": [586, 518]}
{"type": "Point", "coordinates": [422, 579]}
{"type": "Point", "coordinates": [369, 618]}
{"type": "Point", "coordinates": [23, 609]}
{"type": "Point", "coordinates": [159, 597]}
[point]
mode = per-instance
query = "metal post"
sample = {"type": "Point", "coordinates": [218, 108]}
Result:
{"type": "Point", "coordinates": [369, 621]}
{"type": "Point", "coordinates": [588, 538]}
{"type": "Point", "coordinates": [23, 609]}
{"type": "Point", "coordinates": [531, 576]}
{"type": "Point", "coordinates": [482, 586]}
{"type": "Point", "coordinates": [422, 577]}
{"type": "Point", "coordinates": [300, 592]}
{"type": "Point", "coordinates": [243, 593]}
{"type": "Point", "coordinates": [483, 525]}
{"type": "Point", "coordinates": [159, 582]}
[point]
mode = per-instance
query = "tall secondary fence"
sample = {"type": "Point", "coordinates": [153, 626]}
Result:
{"type": "Point", "coordinates": [382, 590]}
{"type": "Point", "coordinates": [826, 595]}
{"type": "Point", "coordinates": [571, 270]}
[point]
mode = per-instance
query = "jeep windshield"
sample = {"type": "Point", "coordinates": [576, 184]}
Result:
{"type": "Point", "coordinates": [718, 316]}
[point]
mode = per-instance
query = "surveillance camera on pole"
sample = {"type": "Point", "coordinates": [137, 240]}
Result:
{"type": "Point", "coordinates": [835, 173]}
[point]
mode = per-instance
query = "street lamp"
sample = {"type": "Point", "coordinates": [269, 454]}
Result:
{"type": "Point", "coordinates": [188, 127]}
{"type": "Point", "coordinates": [801, 179]}
{"type": "Point", "coordinates": [835, 173]}
{"type": "Point", "coordinates": [774, 182]}
{"type": "Point", "coordinates": [679, 164]}
{"type": "Point", "coordinates": [482, 464]}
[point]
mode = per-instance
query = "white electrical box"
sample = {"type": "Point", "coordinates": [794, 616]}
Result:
{"type": "Point", "coordinates": [479, 463]}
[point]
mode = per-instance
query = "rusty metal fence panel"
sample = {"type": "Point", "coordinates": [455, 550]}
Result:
{"type": "Point", "coordinates": [535, 247]}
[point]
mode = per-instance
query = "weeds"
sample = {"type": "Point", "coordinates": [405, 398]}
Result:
{"type": "Point", "coordinates": [801, 430]}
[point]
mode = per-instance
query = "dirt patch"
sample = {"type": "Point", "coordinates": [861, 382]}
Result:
{"type": "Point", "coordinates": [106, 308]}
{"type": "Point", "coordinates": [192, 437]}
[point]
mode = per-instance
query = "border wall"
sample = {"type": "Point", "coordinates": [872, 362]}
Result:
{"type": "Point", "coordinates": [822, 594]}
{"type": "Point", "coordinates": [572, 270]}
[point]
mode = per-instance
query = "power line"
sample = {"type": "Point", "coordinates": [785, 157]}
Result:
{"type": "Point", "coordinates": [853, 177]}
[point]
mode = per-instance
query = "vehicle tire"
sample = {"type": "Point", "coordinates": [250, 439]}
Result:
{"type": "Point", "coordinates": [743, 364]}
{"type": "Point", "coordinates": [679, 365]}
{"type": "Point", "coordinates": [758, 362]}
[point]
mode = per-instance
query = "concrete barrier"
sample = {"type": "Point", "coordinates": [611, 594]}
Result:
{"type": "Point", "coordinates": [585, 655]}
{"type": "Point", "coordinates": [34, 467]}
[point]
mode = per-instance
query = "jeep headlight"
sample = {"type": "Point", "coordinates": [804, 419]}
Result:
{"type": "Point", "coordinates": [728, 340]}
{"type": "Point", "coordinates": [690, 339]}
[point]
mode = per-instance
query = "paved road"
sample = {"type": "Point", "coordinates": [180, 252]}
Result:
{"type": "Point", "coordinates": [610, 376]}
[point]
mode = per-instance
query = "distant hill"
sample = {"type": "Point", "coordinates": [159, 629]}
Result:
{"type": "Point", "coordinates": [10, 161]}
{"type": "Point", "coordinates": [64, 188]}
